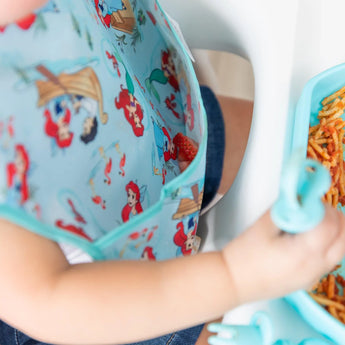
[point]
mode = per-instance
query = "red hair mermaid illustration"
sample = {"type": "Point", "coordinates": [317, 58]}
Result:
{"type": "Point", "coordinates": [132, 110]}
{"type": "Point", "coordinates": [24, 23]}
{"type": "Point", "coordinates": [104, 17]}
{"type": "Point", "coordinates": [165, 145]}
{"type": "Point", "coordinates": [167, 74]}
{"type": "Point", "coordinates": [186, 241]}
{"type": "Point", "coordinates": [148, 254]}
{"type": "Point", "coordinates": [133, 206]}
{"type": "Point", "coordinates": [59, 130]}
{"type": "Point", "coordinates": [105, 9]}
{"type": "Point", "coordinates": [168, 69]}
{"type": "Point", "coordinates": [17, 173]}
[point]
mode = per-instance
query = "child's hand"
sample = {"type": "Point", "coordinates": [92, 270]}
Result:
{"type": "Point", "coordinates": [267, 263]}
{"type": "Point", "coordinates": [11, 11]}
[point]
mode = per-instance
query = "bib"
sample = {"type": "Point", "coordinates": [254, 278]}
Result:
{"type": "Point", "coordinates": [99, 107]}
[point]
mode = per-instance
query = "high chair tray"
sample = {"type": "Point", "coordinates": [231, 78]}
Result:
{"type": "Point", "coordinates": [309, 105]}
{"type": "Point", "coordinates": [286, 322]}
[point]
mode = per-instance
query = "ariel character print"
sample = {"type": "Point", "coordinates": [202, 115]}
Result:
{"type": "Point", "coordinates": [81, 90]}
{"type": "Point", "coordinates": [23, 23]}
{"type": "Point", "coordinates": [131, 107]}
{"type": "Point", "coordinates": [105, 9]}
{"type": "Point", "coordinates": [186, 242]}
{"type": "Point", "coordinates": [169, 70]}
{"type": "Point", "coordinates": [59, 130]}
{"type": "Point", "coordinates": [167, 74]}
{"type": "Point", "coordinates": [102, 11]}
{"type": "Point", "coordinates": [171, 105]}
{"type": "Point", "coordinates": [90, 125]}
{"type": "Point", "coordinates": [17, 172]}
{"type": "Point", "coordinates": [166, 148]}
{"type": "Point", "coordinates": [133, 206]}
{"type": "Point", "coordinates": [89, 130]}
{"type": "Point", "coordinates": [148, 254]}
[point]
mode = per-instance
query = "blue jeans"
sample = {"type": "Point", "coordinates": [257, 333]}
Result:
{"type": "Point", "coordinates": [11, 336]}
{"type": "Point", "coordinates": [215, 144]}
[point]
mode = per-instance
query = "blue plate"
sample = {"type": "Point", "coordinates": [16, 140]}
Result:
{"type": "Point", "coordinates": [308, 107]}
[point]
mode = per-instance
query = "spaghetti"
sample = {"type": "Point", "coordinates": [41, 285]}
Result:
{"type": "Point", "coordinates": [325, 144]}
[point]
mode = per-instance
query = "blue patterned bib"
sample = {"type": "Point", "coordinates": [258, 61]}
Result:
{"type": "Point", "coordinates": [99, 103]}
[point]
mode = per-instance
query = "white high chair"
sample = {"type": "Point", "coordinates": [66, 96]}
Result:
{"type": "Point", "coordinates": [287, 43]}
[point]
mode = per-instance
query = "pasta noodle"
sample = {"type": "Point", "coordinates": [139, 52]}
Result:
{"type": "Point", "coordinates": [326, 141]}
{"type": "Point", "coordinates": [325, 144]}
{"type": "Point", "coordinates": [329, 293]}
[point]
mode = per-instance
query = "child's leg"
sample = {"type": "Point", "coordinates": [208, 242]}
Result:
{"type": "Point", "coordinates": [11, 336]}
{"type": "Point", "coordinates": [187, 336]}
{"type": "Point", "coordinates": [229, 121]}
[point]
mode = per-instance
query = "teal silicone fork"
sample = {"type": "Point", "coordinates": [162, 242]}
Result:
{"type": "Point", "coordinates": [299, 206]}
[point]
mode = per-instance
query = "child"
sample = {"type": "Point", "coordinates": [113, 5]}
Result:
{"type": "Point", "coordinates": [117, 302]}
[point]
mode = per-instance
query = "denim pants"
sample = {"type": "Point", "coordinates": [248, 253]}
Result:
{"type": "Point", "coordinates": [11, 336]}
{"type": "Point", "coordinates": [215, 144]}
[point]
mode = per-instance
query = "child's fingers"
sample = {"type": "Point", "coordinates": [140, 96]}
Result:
{"type": "Point", "coordinates": [296, 259]}
{"type": "Point", "coordinates": [326, 243]}
{"type": "Point", "coordinates": [336, 251]}
{"type": "Point", "coordinates": [328, 231]}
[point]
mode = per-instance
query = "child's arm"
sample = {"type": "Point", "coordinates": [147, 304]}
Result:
{"type": "Point", "coordinates": [106, 302]}
{"type": "Point", "coordinates": [117, 302]}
